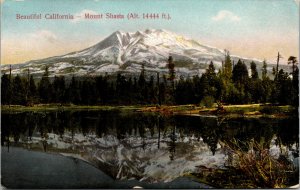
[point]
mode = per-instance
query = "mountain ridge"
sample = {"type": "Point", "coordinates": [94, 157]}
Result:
{"type": "Point", "coordinates": [126, 52]}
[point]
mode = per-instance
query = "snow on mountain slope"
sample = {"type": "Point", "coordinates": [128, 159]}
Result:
{"type": "Point", "coordinates": [149, 46]}
{"type": "Point", "coordinates": [126, 52]}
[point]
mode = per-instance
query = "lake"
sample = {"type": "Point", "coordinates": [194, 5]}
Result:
{"type": "Point", "coordinates": [147, 147]}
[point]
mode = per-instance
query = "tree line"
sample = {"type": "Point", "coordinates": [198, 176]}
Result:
{"type": "Point", "coordinates": [232, 84]}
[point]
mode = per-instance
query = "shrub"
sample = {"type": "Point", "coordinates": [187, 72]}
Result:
{"type": "Point", "coordinates": [258, 165]}
{"type": "Point", "coordinates": [270, 110]}
{"type": "Point", "coordinates": [207, 101]}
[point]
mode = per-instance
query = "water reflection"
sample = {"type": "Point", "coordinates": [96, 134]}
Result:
{"type": "Point", "coordinates": [142, 145]}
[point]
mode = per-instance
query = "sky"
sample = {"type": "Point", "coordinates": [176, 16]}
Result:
{"type": "Point", "coordinates": [248, 28]}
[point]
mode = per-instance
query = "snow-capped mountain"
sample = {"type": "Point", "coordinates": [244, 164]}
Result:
{"type": "Point", "coordinates": [127, 52]}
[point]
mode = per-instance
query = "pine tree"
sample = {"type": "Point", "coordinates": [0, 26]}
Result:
{"type": "Point", "coordinates": [240, 78]}
{"type": "Point", "coordinates": [45, 88]}
{"type": "Point", "coordinates": [143, 89]}
{"type": "Point", "coordinates": [264, 70]}
{"type": "Point", "coordinates": [5, 89]}
{"type": "Point", "coordinates": [32, 93]}
{"type": "Point", "coordinates": [295, 73]}
{"type": "Point", "coordinates": [254, 73]}
{"type": "Point", "coordinates": [240, 73]}
{"type": "Point", "coordinates": [121, 88]}
{"type": "Point", "coordinates": [171, 67]}
{"type": "Point", "coordinates": [210, 72]}
{"type": "Point", "coordinates": [293, 60]}
{"type": "Point", "coordinates": [59, 89]}
{"type": "Point", "coordinates": [227, 66]}
{"type": "Point", "coordinates": [171, 77]}
{"type": "Point", "coordinates": [19, 95]}
{"type": "Point", "coordinates": [152, 94]}
{"type": "Point", "coordinates": [74, 91]}
{"type": "Point", "coordinates": [88, 92]}
{"type": "Point", "coordinates": [283, 88]}
{"type": "Point", "coordinates": [142, 79]}
{"type": "Point", "coordinates": [102, 89]}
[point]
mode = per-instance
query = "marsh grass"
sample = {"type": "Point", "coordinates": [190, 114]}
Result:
{"type": "Point", "coordinates": [263, 169]}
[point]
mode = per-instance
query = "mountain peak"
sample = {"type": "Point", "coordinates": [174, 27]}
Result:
{"type": "Point", "coordinates": [118, 32]}
{"type": "Point", "coordinates": [126, 51]}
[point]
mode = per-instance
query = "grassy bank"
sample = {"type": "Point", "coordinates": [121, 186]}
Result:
{"type": "Point", "coordinates": [247, 110]}
{"type": "Point", "coordinates": [57, 107]}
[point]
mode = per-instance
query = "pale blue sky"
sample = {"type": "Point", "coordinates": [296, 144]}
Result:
{"type": "Point", "coordinates": [263, 26]}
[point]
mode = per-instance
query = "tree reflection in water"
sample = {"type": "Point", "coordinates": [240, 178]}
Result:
{"type": "Point", "coordinates": [177, 132]}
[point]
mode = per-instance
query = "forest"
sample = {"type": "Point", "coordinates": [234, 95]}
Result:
{"type": "Point", "coordinates": [232, 84]}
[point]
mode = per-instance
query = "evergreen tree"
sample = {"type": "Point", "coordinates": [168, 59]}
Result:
{"type": "Point", "coordinates": [59, 89]}
{"type": "Point", "coordinates": [171, 78]}
{"type": "Point", "coordinates": [179, 92]}
{"type": "Point", "coordinates": [135, 90]}
{"type": "Point", "coordinates": [184, 92]}
{"type": "Point", "coordinates": [240, 73]}
{"type": "Point", "coordinates": [267, 88]}
{"type": "Point", "coordinates": [256, 90]}
{"type": "Point", "coordinates": [163, 90]}
{"type": "Point", "coordinates": [264, 70]}
{"type": "Point", "coordinates": [19, 95]}
{"type": "Point", "coordinates": [196, 85]}
{"type": "Point", "coordinates": [88, 92]}
{"type": "Point", "coordinates": [131, 92]}
{"type": "Point", "coordinates": [32, 93]}
{"type": "Point", "coordinates": [5, 89]}
{"type": "Point", "coordinates": [45, 88]}
{"type": "Point", "coordinates": [102, 89]}
{"type": "Point", "coordinates": [121, 88]}
{"type": "Point", "coordinates": [293, 60]}
{"type": "Point", "coordinates": [295, 81]}
{"type": "Point", "coordinates": [255, 85]}
{"type": "Point", "coordinates": [283, 88]}
{"type": "Point", "coordinates": [254, 73]}
{"type": "Point", "coordinates": [210, 72]}
{"type": "Point", "coordinates": [227, 66]}
{"type": "Point", "coordinates": [152, 94]}
{"type": "Point", "coordinates": [142, 79]}
{"type": "Point", "coordinates": [171, 67]}
{"type": "Point", "coordinates": [74, 91]}
{"type": "Point", "coordinates": [143, 96]}
{"type": "Point", "coordinates": [204, 86]}
{"type": "Point", "coordinates": [240, 78]}
{"type": "Point", "coordinates": [209, 82]}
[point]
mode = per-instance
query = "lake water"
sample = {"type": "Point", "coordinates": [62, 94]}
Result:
{"type": "Point", "coordinates": [144, 146]}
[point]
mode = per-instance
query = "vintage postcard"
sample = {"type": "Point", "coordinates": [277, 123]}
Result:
{"type": "Point", "coordinates": [152, 94]}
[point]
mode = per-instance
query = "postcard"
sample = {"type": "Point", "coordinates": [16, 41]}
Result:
{"type": "Point", "coordinates": [160, 94]}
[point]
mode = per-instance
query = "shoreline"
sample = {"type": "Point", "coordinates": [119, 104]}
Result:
{"type": "Point", "coordinates": [231, 111]}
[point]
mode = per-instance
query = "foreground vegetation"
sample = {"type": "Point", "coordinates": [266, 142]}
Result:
{"type": "Point", "coordinates": [251, 166]}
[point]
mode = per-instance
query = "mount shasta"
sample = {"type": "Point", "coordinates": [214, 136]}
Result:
{"type": "Point", "coordinates": [126, 53]}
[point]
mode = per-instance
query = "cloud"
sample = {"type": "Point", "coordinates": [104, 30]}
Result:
{"type": "Point", "coordinates": [80, 16]}
{"type": "Point", "coordinates": [44, 35]}
{"type": "Point", "coordinates": [41, 44]}
{"type": "Point", "coordinates": [226, 15]}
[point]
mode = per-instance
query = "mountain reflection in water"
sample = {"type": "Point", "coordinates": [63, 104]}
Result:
{"type": "Point", "coordinates": [148, 147]}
